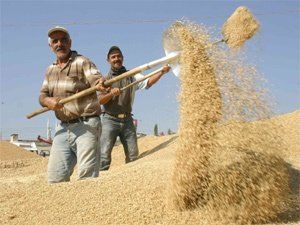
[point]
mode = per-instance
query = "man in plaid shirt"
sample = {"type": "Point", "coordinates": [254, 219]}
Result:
{"type": "Point", "coordinates": [77, 136]}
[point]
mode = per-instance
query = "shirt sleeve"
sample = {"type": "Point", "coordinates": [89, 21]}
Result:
{"type": "Point", "coordinates": [142, 84]}
{"type": "Point", "coordinates": [91, 72]}
{"type": "Point", "coordinates": [45, 86]}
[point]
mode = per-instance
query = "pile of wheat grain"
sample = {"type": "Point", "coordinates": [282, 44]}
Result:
{"type": "Point", "coordinates": [14, 158]}
{"type": "Point", "coordinates": [225, 178]}
{"type": "Point", "coordinates": [12, 152]}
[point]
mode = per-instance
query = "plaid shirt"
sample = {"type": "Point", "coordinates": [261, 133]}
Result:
{"type": "Point", "coordinates": [78, 74]}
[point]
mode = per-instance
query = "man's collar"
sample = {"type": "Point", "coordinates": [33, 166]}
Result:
{"type": "Point", "coordinates": [71, 58]}
{"type": "Point", "coordinates": [116, 72]}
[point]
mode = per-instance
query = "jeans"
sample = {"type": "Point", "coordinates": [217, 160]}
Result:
{"type": "Point", "coordinates": [75, 143]}
{"type": "Point", "coordinates": [113, 127]}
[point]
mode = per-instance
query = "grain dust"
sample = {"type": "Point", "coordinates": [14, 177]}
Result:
{"type": "Point", "coordinates": [252, 186]}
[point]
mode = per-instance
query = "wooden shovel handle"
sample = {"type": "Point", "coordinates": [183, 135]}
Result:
{"type": "Point", "coordinates": [37, 112]}
{"type": "Point", "coordinates": [64, 101]}
{"type": "Point", "coordinates": [107, 83]}
{"type": "Point", "coordinates": [142, 79]}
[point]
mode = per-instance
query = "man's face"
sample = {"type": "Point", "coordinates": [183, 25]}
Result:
{"type": "Point", "coordinates": [115, 59]}
{"type": "Point", "coordinates": [60, 44]}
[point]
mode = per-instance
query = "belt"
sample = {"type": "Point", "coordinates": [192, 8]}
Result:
{"type": "Point", "coordinates": [120, 116]}
{"type": "Point", "coordinates": [80, 119]}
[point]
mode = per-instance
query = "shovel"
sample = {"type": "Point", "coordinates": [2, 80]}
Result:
{"type": "Point", "coordinates": [169, 58]}
{"type": "Point", "coordinates": [142, 79]}
{"type": "Point", "coordinates": [172, 57]}
{"type": "Point", "coordinates": [237, 29]}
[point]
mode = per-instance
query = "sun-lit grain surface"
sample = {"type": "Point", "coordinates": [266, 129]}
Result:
{"type": "Point", "coordinates": [12, 152]}
{"type": "Point", "coordinates": [127, 194]}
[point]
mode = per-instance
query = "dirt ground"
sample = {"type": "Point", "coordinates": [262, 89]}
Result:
{"type": "Point", "coordinates": [132, 193]}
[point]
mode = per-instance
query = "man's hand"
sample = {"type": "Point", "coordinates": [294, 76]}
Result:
{"type": "Point", "coordinates": [100, 85]}
{"type": "Point", "coordinates": [53, 103]}
{"type": "Point", "coordinates": [115, 91]}
{"type": "Point", "coordinates": [104, 98]}
{"type": "Point", "coordinates": [166, 69]}
{"type": "Point", "coordinates": [152, 80]}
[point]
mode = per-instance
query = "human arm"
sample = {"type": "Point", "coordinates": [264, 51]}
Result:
{"type": "Point", "coordinates": [93, 75]}
{"type": "Point", "coordinates": [50, 102]}
{"type": "Point", "coordinates": [106, 97]}
{"type": "Point", "coordinates": [45, 99]}
{"type": "Point", "coordinates": [152, 80]}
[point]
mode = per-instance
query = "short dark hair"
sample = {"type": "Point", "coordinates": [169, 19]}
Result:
{"type": "Point", "coordinates": [113, 49]}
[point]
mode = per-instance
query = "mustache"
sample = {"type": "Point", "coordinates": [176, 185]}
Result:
{"type": "Point", "coordinates": [59, 49]}
{"type": "Point", "coordinates": [118, 61]}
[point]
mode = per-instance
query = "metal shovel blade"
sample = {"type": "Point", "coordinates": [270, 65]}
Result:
{"type": "Point", "coordinates": [174, 64]}
{"type": "Point", "coordinates": [171, 45]}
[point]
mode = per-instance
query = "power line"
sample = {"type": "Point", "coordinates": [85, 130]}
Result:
{"type": "Point", "coordinates": [134, 21]}
{"type": "Point", "coordinates": [293, 11]}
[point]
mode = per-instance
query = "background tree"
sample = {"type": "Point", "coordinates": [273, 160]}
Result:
{"type": "Point", "coordinates": [156, 130]}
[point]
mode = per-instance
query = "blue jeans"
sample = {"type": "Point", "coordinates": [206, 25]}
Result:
{"type": "Point", "coordinates": [113, 127]}
{"type": "Point", "coordinates": [75, 143]}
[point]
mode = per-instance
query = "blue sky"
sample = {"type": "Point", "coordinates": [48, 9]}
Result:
{"type": "Point", "coordinates": [137, 27]}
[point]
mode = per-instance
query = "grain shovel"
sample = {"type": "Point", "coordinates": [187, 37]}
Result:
{"type": "Point", "coordinates": [130, 73]}
{"type": "Point", "coordinates": [238, 28]}
{"type": "Point", "coordinates": [141, 79]}
{"type": "Point", "coordinates": [236, 37]}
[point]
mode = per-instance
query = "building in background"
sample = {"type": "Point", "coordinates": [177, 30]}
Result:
{"type": "Point", "coordinates": [40, 146]}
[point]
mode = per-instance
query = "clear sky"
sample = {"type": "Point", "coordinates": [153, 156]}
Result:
{"type": "Point", "coordinates": [137, 27]}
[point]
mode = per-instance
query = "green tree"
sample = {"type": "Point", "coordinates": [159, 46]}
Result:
{"type": "Point", "coordinates": [169, 131]}
{"type": "Point", "coordinates": [156, 130]}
